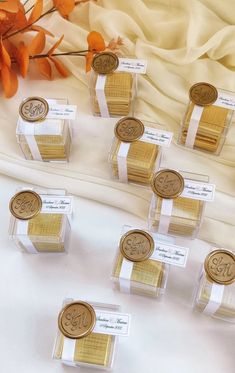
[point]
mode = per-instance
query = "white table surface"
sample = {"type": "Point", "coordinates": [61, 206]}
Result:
{"type": "Point", "coordinates": [166, 336]}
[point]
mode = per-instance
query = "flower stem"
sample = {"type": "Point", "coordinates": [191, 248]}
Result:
{"type": "Point", "coordinates": [56, 55]}
{"type": "Point", "coordinates": [27, 11]}
{"type": "Point", "coordinates": [26, 1]}
{"type": "Point", "coordinates": [46, 55]}
{"type": "Point", "coordinates": [28, 26]}
{"type": "Point", "coordinates": [51, 10]}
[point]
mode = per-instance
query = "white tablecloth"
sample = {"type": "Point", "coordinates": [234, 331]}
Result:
{"type": "Point", "coordinates": [180, 51]}
{"type": "Point", "coordinates": [166, 336]}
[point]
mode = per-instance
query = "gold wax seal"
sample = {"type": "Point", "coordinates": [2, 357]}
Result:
{"type": "Point", "coordinates": [105, 63]}
{"type": "Point", "coordinates": [77, 320]}
{"type": "Point", "coordinates": [34, 109]}
{"type": "Point", "coordinates": [220, 266]}
{"type": "Point", "coordinates": [25, 205]}
{"type": "Point", "coordinates": [203, 94]}
{"type": "Point", "coordinates": [129, 129]}
{"type": "Point", "coordinates": [136, 245]}
{"type": "Point", "coordinates": [167, 184]}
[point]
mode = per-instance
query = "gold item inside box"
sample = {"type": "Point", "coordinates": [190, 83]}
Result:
{"type": "Point", "coordinates": [185, 218]}
{"type": "Point", "coordinates": [44, 231]}
{"type": "Point", "coordinates": [227, 307]}
{"type": "Point", "coordinates": [51, 147]}
{"type": "Point", "coordinates": [141, 160]}
{"type": "Point", "coordinates": [93, 349]}
{"type": "Point", "coordinates": [118, 93]}
{"type": "Point", "coordinates": [147, 276]}
{"type": "Point", "coordinates": [212, 127]}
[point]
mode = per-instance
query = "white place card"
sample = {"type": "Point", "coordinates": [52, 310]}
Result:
{"type": "Point", "coordinates": [57, 111]}
{"type": "Point", "coordinates": [198, 190]}
{"type": "Point", "coordinates": [132, 65]}
{"type": "Point", "coordinates": [225, 100]}
{"type": "Point", "coordinates": [157, 136]}
{"type": "Point", "coordinates": [56, 204]}
{"type": "Point", "coordinates": [170, 254]}
{"type": "Point", "coordinates": [112, 323]}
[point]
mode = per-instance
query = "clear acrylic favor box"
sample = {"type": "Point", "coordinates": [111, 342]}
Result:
{"type": "Point", "coordinates": [41, 132]}
{"type": "Point", "coordinates": [136, 150]}
{"type": "Point", "coordinates": [178, 202]}
{"type": "Point", "coordinates": [112, 92]}
{"type": "Point", "coordinates": [215, 290]}
{"type": "Point", "coordinates": [134, 270]}
{"type": "Point", "coordinates": [87, 334]}
{"type": "Point", "coordinates": [39, 220]}
{"type": "Point", "coordinates": [208, 117]}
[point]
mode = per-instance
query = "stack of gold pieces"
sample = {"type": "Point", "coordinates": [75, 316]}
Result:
{"type": "Point", "coordinates": [34, 110]}
{"type": "Point", "coordinates": [118, 93]}
{"type": "Point", "coordinates": [51, 148]}
{"type": "Point", "coordinates": [44, 231]}
{"type": "Point", "coordinates": [92, 349]}
{"type": "Point", "coordinates": [227, 307]}
{"type": "Point", "coordinates": [146, 278]}
{"type": "Point", "coordinates": [185, 218]}
{"type": "Point", "coordinates": [141, 160]}
{"type": "Point", "coordinates": [212, 127]}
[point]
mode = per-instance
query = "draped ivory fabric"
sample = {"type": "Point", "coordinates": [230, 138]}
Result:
{"type": "Point", "coordinates": [184, 41]}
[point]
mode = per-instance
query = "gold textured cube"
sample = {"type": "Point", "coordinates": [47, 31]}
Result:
{"type": "Point", "coordinates": [118, 96]}
{"type": "Point", "coordinates": [35, 230]}
{"type": "Point", "coordinates": [134, 271]}
{"type": "Point", "coordinates": [39, 137]}
{"type": "Point", "coordinates": [208, 117]}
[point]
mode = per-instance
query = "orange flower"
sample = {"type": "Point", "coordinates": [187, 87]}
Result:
{"type": "Point", "coordinates": [16, 56]}
{"type": "Point", "coordinates": [22, 57]}
{"type": "Point", "coordinates": [96, 44]}
{"type": "Point", "coordinates": [95, 41]}
{"type": "Point", "coordinates": [65, 7]}
{"type": "Point", "coordinates": [11, 6]}
{"type": "Point", "coordinates": [12, 15]}
{"type": "Point", "coordinates": [8, 76]}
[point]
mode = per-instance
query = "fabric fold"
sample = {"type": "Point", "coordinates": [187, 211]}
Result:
{"type": "Point", "coordinates": [183, 43]}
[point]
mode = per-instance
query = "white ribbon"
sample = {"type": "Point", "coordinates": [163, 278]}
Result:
{"type": "Point", "coordinates": [22, 235]}
{"type": "Point", "coordinates": [30, 139]}
{"type": "Point", "coordinates": [68, 352]}
{"type": "Point", "coordinates": [125, 275]}
{"type": "Point", "coordinates": [122, 161]}
{"type": "Point", "coordinates": [33, 147]}
{"type": "Point", "coordinates": [216, 298]}
{"type": "Point", "coordinates": [165, 215]}
{"type": "Point", "coordinates": [100, 94]}
{"type": "Point", "coordinates": [193, 126]}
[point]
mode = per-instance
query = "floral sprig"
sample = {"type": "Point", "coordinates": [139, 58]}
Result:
{"type": "Point", "coordinates": [15, 19]}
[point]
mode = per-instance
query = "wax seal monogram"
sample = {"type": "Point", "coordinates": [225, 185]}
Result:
{"type": "Point", "coordinates": [167, 184]}
{"type": "Point", "coordinates": [129, 129]}
{"type": "Point", "coordinates": [77, 320]}
{"type": "Point", "coordinates": [105, 63]}
{"type": "Point", "coordinates": [25, 205]}
{"type": "Point", "coordinates": [203, 94]}
{"type": "Point", "coordinates": [136, 245]}
{"type": "Point", "coordinates": [34, 109]}
{"type": "Point", "coordinates": [220, 266]}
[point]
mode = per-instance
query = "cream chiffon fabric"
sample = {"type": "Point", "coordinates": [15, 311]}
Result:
{"type": "Point", "coordinates": [185, 41]}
